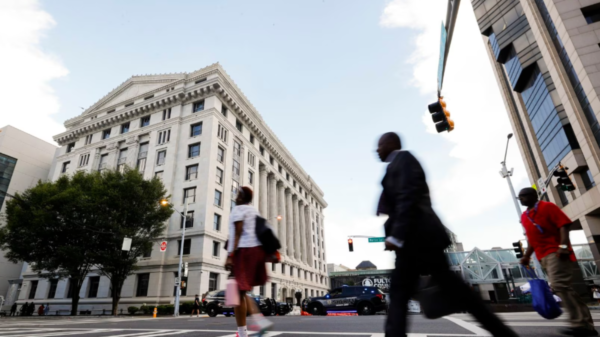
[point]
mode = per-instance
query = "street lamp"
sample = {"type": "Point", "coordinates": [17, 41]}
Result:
{"type": "Point", "coordinates": [165, 202]}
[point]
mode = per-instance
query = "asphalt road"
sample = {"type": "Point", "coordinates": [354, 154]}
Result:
{"type": "Point", "coordinates": [525, 324]}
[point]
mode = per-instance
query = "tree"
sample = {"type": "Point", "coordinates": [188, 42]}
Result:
{"type": "Point", "coordinates": [53, 227]}
{"type": "Point", "coordinates": [128, 206]}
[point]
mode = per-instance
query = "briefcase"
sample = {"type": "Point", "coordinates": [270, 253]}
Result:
{"type": "Point", "coordinates": [434, 302]}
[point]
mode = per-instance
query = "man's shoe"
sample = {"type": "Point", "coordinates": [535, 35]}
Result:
{"type": "Point", "coordinates": [579, 332]}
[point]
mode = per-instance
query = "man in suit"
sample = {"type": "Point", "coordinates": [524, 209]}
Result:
{"type": "Point", "coordinates": [419, 238]}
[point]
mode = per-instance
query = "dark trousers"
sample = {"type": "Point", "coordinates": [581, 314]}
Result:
{"type": "Point", "coordinates": [412, 263]}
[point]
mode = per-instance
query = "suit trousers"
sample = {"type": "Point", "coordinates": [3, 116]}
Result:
{"type": "Point", "coordinates": [559, 274]}
{"type": "Point", "coordinates": [412, 263]}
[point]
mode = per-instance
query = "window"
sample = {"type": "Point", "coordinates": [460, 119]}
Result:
{"type": "Point", "coordinates": [195, 129]}
{"type": "Point", "coordinates": [238, 125]}
{"type": "Point", "coordinates": [200, 80]}
{"type": "Point", "coordinates": [84, 159]}
{"type": "Point", "coordinates": [164, 136]}
{"type": "Point", "coordinates": [160, 158]}
{"type": "Point", "coordinates": [273, 267]}
{"type": "Point", "coordinates": [235, 186]}
{"type": "Point", "coordinates": [33, 289]}
{"type": "Point", "coordinates": [591, 13]}
{"type": "Point", "coordinates": [144, 121]}
{"type": "Point", "coordinates": [166, 114]}
{"type": "Point", "coordinates": [159, 174]}
{"type": "Point", "coordinates": [261, 290]}
{"type": "Point", "coordinates": [250, 177]}
{"type": "Point", "coordinates": [224, 111]}
{"type": "Point", "coordinates": [122, 160]}
{"type": "Point", "coordinates": [217, 222]}
{"type": "Point", "coordinates": [198, 106]}
{"type": "Point", "coordinates": [271, 160]}
{"type": "Point", "coordinates": [187, 245]}
{"type": "Point", "coordinates": [142, 154]}
{"type": "Point", "coordinates": [70, 147]}
{"type": "Point", "coordinates": [147, 253]}
{"type": "Point", "coordinates": [52, 290]}
{"type": "Point", "coordinates": [213, 281]}
{"type": "Point", "coordinates": [102, 164]}
{"type": "Point", "coordinates": [287, 176]}
{"type": "Point", "coordinates": [111, 111]}
{"type": "Point", "coordinates": [236, 168]}
{"type": "Point", "coordinates": [88, 139]}
{"type": "Point", "coordinates": [291, 271]}
{"type": "Point", "coordinates": [189, 220]}
{"type": "Point", "coordinates": [261, 150]}
{"type": "Point", "coordinates": [222, 133]}
{"type": "Point", "coordinates": [588, 179]}
{"type": "Point", "coordinates": [218, 198]}
{"type": "Point", "coordinates": [128, 104]}
{"type": "Point", "coordinates": [193, 150]}
{"type": "Point", "coordinates": [189, 195]}
{"type": "Point", "coordinates": [94, 282]}
{"type": "Point", "coordinates": [233, 204]}
{"type": "Point", "coordinates": [283, 268]}
{"type": "Point", "coordinates": [148, 97]}
{"type": "Point", "coordinates": [106, 134]}
{"type": "Point", "coordinates": [216, 250]}
{"type": "Point", "coordinates": [220, 154]}
{"type": "Point", "coordinates": [142, 285]}
{"type": "Point", "coordinates": [294, 183]}
{"type": "Point", "coordinates": [251, 138]}
{"type": "Point", "coordinates": [237, 149]}
{"type": "Point", "coordinates": [274, 290]}
{"type": "Point", "coordinates": [65, 167]}
{"type": "Point", "coordinates": [125, 127]}
{"type": "Point", "coordinates": [280, 170]}
{"type": "Point", "coordinates": [191, 172]}
{"type": "Point", "coordinates": [251, 159]}
{"type": "Point", "coordinates": [219, 176]}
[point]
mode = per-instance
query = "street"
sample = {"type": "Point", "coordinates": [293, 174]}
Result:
{"type": "Point", "coordinates": [525, 324]}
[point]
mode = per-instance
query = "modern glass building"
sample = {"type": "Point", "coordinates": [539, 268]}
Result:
{"type": "Point", "coordinates": [546, 58]}
{"type": "Point", "coordinates": [7, 167]}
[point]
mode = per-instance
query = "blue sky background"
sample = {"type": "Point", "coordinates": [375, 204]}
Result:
{"type": "Point", "coordinates": [328, 77]}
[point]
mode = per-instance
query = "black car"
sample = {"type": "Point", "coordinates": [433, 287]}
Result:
{"type": "Point", "coordinates": [214, 304]}
{"type": "Point", "coordinates": [362, 300]}
{"type": "Point", "coordinates": [284, 308]}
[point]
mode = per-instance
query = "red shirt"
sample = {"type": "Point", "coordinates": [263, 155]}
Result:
{"type": "Point", "coordinates": [550, 218]}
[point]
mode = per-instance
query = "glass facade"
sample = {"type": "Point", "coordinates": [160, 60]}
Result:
{"type": "Point", "coordinates": [7, 167]}
{"type": "Point", "coordinates": [572, 74]}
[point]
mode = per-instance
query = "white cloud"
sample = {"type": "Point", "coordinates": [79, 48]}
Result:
{"type": "Point", "coordinates": [470, 185]}
{"type": "Point", "coordinates": [27, 97]}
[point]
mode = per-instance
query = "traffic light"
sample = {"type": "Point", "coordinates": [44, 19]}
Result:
{"type": "Point", "coordinates": [564, 182]}
{"type": "Point", "coordinates": [518, 249]}
{"type": "Point", "coordinates": [185, 269]}
{"type": "Point", "coordinates": [441, 116]}
{"type": "Point", "coordinates": [350, 245]}
{"type": "Point", "coordinates": [183, 284]}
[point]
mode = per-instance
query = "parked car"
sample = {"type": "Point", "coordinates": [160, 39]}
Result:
{"type": "Point", "coordinates": [214, 304]}
{"type": "Point", "coordinates": [284, 308]}
{"type": "Point", "coordinates": [362, 300]}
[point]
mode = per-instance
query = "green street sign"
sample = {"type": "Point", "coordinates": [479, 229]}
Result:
{"type": "Point", "coordinates": [376, 240]}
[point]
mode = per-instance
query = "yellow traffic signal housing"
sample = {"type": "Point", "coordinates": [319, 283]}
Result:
{"type": "Point", "coordinates": [441, 116]}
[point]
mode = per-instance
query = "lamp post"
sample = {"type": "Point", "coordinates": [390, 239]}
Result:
{"type": "Point", "coordinates": [505, 173]}
{"type": "Point", "coordinates": [164, 202]}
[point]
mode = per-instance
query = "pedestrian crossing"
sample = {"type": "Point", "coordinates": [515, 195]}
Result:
{"type": "Point", "coordinates": [58, 332]}
{"type": "Point", "coordinates": [67, 321]}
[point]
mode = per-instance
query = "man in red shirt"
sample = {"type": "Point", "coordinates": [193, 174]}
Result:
{"type": "Point", "coordinates": [547, 229]}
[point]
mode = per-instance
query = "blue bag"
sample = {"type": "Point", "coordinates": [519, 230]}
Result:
{"type": "Point", "coordinates": [542, 298]}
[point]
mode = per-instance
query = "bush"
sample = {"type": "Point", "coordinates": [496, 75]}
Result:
{"type": "Point", "coordinates": [186, 307]}
{"type": "Point", "coordinates": [168, 309]}
{"type": "Point", "coordinates": [133, 310]}
{"type": "Point", "coordinates": [146, 309]}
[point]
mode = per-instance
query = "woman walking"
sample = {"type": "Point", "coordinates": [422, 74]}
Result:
{"type": "Point", "coordinates": [246, 259]}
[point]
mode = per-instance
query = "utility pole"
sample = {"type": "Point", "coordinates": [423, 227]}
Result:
{"type": "Point", "coordinates": [178, 281]}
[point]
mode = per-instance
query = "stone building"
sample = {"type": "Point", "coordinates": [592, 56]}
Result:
{"type": "Point", "coordinates": [199, 134]}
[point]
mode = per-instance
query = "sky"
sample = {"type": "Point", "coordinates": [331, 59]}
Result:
{"type": "Point", "coordinates": [328, 76]}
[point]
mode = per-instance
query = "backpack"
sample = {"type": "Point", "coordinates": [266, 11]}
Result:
{"type": "Point", "coordinates": [266, 236]}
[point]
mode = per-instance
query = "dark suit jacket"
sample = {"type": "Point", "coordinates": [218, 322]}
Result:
{"type": "Point", "coordinates": [411, 218]}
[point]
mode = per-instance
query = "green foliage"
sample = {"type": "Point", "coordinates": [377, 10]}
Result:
{"type": "Point", "coordinates": [145, 309]}
{"type": "Point", "coordinates": [168, 309]}
{"type": "Point", "coordinates": [133, 310]}
{"type": "Point", "coordinates": [186, 307]}
{"type": "Point", "coordinates": [63, 228]}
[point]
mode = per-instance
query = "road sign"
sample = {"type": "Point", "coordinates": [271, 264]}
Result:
{"type": "Point", "coordinates": [126, 244]}
{"type": "Point", "coordinates": [376, 239]}
{"type": "Point", "coordinates": [163, 246]}
{"type": "Point", "coordinates": [443, 38]}
{"type": "Point", "coordinates": [541, 186]}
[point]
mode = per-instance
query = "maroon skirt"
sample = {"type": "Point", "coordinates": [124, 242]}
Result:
{"type": "Point", "coordinates": [249, 268]}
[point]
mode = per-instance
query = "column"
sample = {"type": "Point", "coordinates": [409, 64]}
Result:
{"type": "Point", "coordinates": [289, 221]}
{"type": "Point", "coordinates": [302, 231]}
{"type": "Point", "coordinates": [273, 203]}
{"type": "Point", "coordinates": [309, 245]}
{"type": "Point", "coordinates": [262, 191]}
{"type": "Point", "coordinates": [281, 223]}
{"type": "Point", "coordinates": [297, 246]}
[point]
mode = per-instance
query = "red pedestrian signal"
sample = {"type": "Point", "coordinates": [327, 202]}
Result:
{"type": "Point", "coordinates": [350, 245]}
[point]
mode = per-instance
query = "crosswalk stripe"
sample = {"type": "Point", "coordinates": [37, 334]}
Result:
{"type": "Point", "coordinates": [59, 333]}
{"type": "Point", "coordinates": [468, 326]}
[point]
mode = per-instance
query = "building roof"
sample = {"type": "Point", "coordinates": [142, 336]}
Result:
{"type": "Point", "coordinates": [366, 265]}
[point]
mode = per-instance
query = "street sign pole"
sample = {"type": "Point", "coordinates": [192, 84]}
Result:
{"type": "Point", "coordinates": [177, 283]}
{"type": "Point", "coordinates": [447, 32]}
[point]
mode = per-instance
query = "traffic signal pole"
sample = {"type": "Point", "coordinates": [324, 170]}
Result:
{"type": "Point", "coordinates": [179, 278]}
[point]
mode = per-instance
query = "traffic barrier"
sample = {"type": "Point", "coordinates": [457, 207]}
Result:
{"type": "Point", "coordinates": [304, 313]}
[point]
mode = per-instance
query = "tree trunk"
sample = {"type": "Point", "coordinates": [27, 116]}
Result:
{"type": "Point", "coordinates": [75, 303]}
{"type": "Point", "coordinates": [116, 285]}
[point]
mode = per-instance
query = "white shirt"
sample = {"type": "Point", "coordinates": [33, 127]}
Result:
{"type": "Point", "coordinates": [247, 214]}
